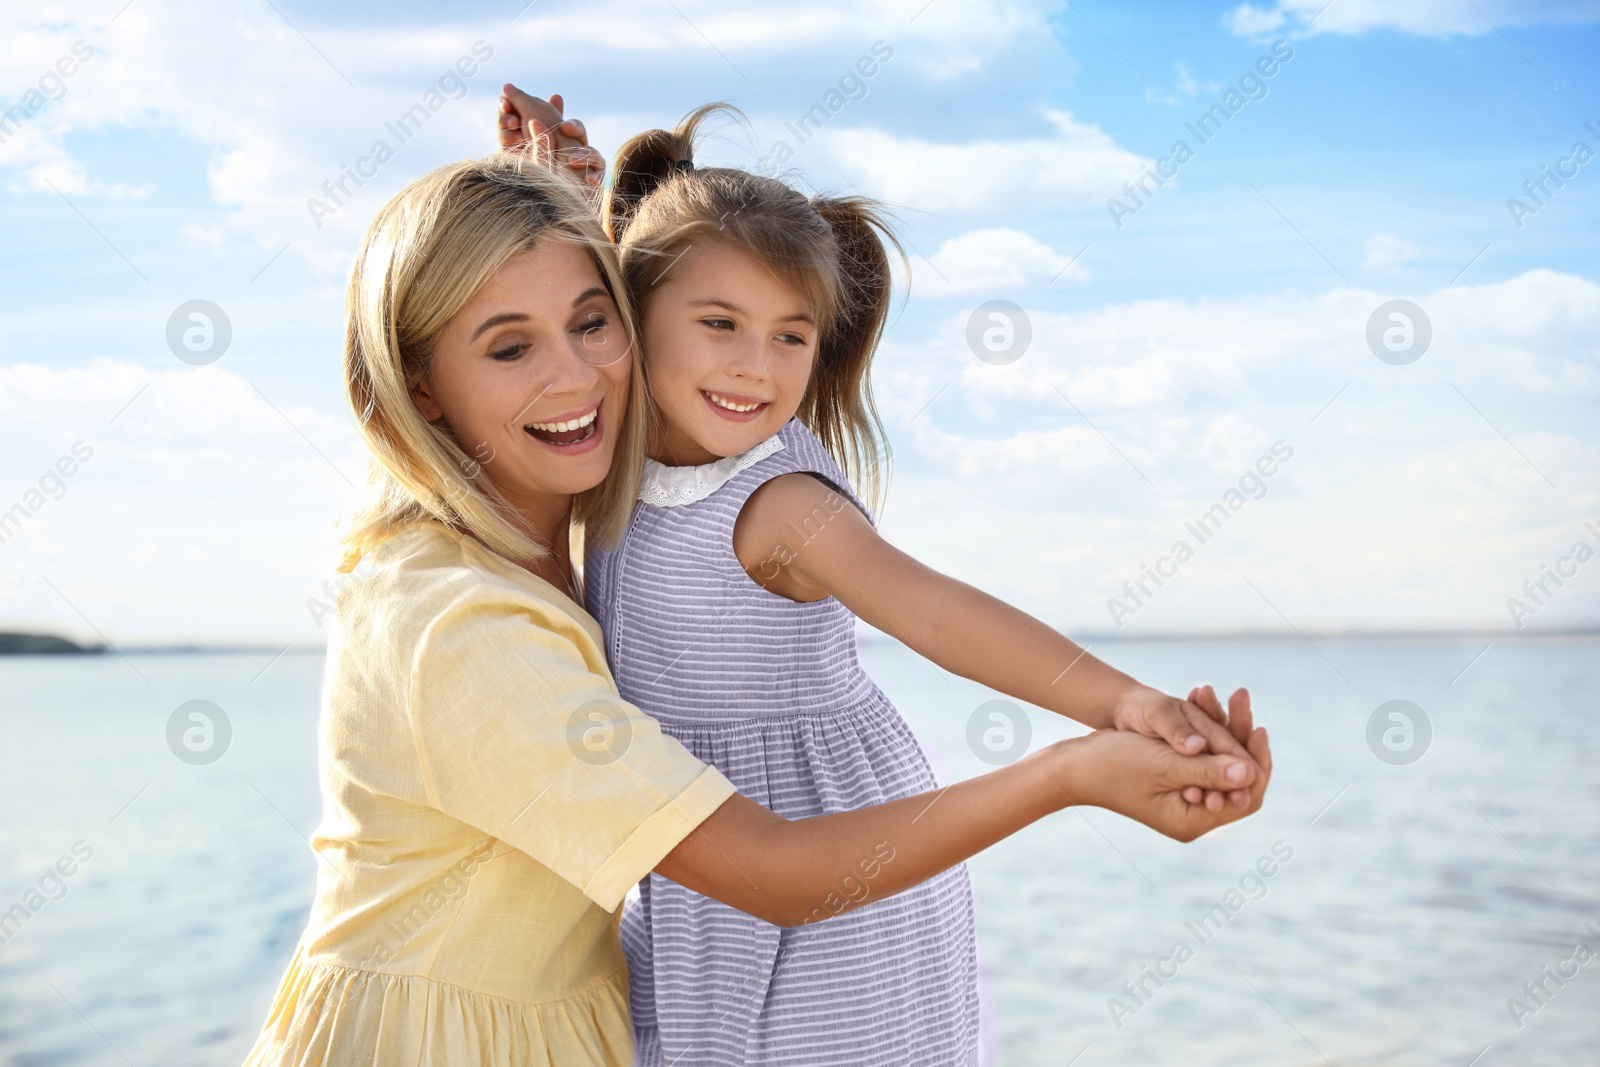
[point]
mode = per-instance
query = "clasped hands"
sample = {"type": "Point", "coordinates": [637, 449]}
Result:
{"type": "Point", "coordinates": [1181, 767]}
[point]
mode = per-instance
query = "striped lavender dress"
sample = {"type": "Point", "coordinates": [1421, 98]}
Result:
{"type": "Point", "coordinates": [770, 692]}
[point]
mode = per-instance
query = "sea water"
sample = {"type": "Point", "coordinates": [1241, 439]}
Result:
{"type": "Point", "coordinates": [1413, 915]}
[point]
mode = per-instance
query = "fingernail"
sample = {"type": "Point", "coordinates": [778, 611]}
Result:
{"type": "Point", "coordinates": [1236, 772]}
{"type": "Point", "coordinates": [1194, 741]}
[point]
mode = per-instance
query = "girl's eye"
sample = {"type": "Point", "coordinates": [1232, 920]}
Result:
{"type": "Point", "coordinates": [719, 324]}
{"type": "Point", "coordinates": [506, 355]}
{"type": "Point", "coordinates": [791, 339]}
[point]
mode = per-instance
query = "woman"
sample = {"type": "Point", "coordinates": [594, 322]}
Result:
{"type": "Point", "coordinates": [488, 799]}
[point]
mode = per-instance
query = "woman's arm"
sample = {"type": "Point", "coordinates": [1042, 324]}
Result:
{"type": "Point", "coordinates": [801, 539]}
{"type": "Point", "coordinates": [791, 872]}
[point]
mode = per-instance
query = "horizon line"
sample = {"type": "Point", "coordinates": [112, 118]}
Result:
{"type": "Point", "coordinates": [870, 636]}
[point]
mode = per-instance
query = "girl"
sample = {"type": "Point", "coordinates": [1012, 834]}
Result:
{"type": "Point", "coordinates": [729, 608]}
{"type": "Point", "coordinates": [487, 798]}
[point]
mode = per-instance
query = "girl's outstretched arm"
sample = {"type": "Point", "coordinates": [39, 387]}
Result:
{"type": "Point", "coordinates": [791, 872]}
{"type": "Point", "coordinates": [801, 539]}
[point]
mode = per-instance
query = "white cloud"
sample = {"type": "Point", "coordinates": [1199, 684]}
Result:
{"type": "Point", "coordinates": [1423, 18]}
{"type": "Point", "coordinates": [1403, 506]}
{"type": "Point", "coordinates": [212, 237]}
{"type": "Point", "coordinates": [269, 117]}
{"type": "Point", "coordinates": [277, 114]}
{"type": "Point", "coordinates": [1168, 357]}
{"type": "Point", "coordinates": [1385, 252]}
{"type": "Point", "coordinates": [947, 38]}
{"type": "Point", "coordinates": [205, 514]}
{"type": "Point", "coordinates": [1380, 520]}
{"type": "Point", "coordinates": [1185, 87]}
{"type": "Point", "coordinates": [1253, 23]}
{"type": "Point", "coordinates": [1076, 165]}
{"type": "Point", "coordinates": [993, 260]}
{"type": "Point", "coordinates": [201, 514]}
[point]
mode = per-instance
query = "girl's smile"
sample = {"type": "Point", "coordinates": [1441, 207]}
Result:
{"type": "Point", "coordinates": [734, 407]}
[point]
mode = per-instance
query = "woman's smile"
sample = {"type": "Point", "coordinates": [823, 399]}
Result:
{"type": "Point", "coordinates": [570, 434]}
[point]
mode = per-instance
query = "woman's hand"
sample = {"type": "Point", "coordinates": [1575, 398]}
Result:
{"type": "Point", "coordinates": [537, 127]}
{"type": "Point", "coordinates": [1190, 726]}
{"type": "Point", "coordinates": [1144, 779]}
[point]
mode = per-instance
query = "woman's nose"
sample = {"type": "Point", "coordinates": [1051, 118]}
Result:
{"type": "Point", "coordinates": [574, 372]}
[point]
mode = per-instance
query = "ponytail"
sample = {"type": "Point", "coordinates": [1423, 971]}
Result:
{"type": "Point", "coordinates": [649, 161]}
{"type": "Point", "coordinates": [838, 405]}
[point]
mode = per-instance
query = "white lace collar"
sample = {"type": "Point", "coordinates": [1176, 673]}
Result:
{"type": "Point", "coordinates": [674, 487]}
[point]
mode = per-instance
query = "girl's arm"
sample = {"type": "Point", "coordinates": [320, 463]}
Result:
{"type": "Point", "coordinates": [801, 539]}
{"type": "Point", "coordinates": [791, 872]}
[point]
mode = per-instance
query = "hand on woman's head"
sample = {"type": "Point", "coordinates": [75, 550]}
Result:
{"type": "Point", "coordinates": [537, 128]}
{"type": "Point", "coordinates": [532, 376]}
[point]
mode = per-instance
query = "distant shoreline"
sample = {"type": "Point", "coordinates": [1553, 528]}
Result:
{"type": "Point", "coordinates": [26, 644]}
{"type": "Point", "coordinates": [41, 644]}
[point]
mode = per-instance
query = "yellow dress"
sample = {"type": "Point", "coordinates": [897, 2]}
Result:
{"type": "Point", "coordinates": [488, 801]}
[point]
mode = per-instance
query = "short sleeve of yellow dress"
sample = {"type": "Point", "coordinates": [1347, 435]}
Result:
{"type": "Point", "coordinates": [488, 801]}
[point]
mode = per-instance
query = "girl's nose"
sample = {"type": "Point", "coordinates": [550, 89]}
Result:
{"type": "Point", "coordinates": [749, 361]}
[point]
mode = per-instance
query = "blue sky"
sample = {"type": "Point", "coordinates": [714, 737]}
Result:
{"type": "Point", "coordinates": [1168, 355]}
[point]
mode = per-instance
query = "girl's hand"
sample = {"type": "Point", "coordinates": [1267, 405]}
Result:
{"type": "Point", "coordinates": [537, 127]}
{"type": "Point", "coordinates": [1144, 779]}
{"type": "Point", "coordinates": [1191, 727]}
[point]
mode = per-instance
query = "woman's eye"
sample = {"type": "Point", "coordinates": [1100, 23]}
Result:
{"type": "Point", "coordinates": [505, 355]}
{"type": "Point", "coordinates": [591, 325]}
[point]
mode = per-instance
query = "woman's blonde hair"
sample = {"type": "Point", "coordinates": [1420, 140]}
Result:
{"type": "Point", "coordinates": [833, 250]}
{"type": "Point", "coordinates": [428, 252]}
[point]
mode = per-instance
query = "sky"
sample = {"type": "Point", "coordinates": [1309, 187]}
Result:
{"type": "Point", "coordinates": [1198, 217]}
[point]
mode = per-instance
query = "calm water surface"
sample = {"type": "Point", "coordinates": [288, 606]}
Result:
{"type": "Point", "coordinates": [1416, 899]}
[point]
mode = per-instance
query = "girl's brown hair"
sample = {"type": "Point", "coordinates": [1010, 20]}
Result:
{"type": "Point", "coordinates": [430, 249]}
{"type": "Point", "coordinates": [833, 250]}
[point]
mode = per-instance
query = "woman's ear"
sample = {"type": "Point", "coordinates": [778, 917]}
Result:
{"type": "Point", "coordinates": [426, 405]}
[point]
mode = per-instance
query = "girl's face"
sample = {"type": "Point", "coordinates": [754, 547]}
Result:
{"type": "Point", "coordinates": [729, 348]}
{"type": "Point", "coordinates": [532, 376]}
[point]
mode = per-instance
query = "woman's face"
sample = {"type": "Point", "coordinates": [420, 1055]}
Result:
{"type": "Point", "coordinates": [532, 376]}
